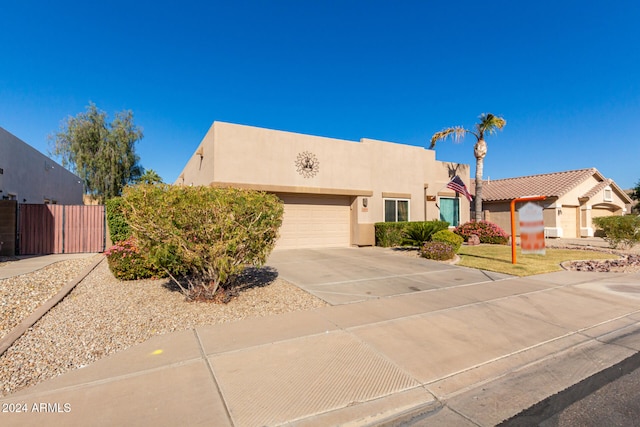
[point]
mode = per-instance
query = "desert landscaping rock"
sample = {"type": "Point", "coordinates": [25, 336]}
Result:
{"type": "Point", "coordinates": [626, 264]}
{"type": "Point", "coordinates": [103, 315]}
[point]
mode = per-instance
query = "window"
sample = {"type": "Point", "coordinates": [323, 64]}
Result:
{"type": "Point", "coordinates": [396, 210]}
{"type": "Point", "coordinates": [608, 195]}
{"type": "Point", "coordinates": [450, 211]}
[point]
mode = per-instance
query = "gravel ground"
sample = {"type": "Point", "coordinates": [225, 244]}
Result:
{"type": "Point", "coordinates": [103, 315]}
{"type": "Point", "coordinates": [21, 295]}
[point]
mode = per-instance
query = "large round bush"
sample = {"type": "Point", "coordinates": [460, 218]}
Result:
{"type": "Point", "coordinates": [449, 237]}
{"type": "Point", "coordinates": [203, 236]}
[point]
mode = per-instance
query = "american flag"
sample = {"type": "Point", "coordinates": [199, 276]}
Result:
{"type": "Point", "coordinates": [458, 186]}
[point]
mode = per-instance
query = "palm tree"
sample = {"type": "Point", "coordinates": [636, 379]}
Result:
{"type": "Point", "coordinates": [149, 177]}
{"type": "Point", "coordinates": [489, 124]}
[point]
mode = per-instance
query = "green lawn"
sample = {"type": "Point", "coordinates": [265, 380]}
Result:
{"type": "Point", "coordinates": [498, 258]}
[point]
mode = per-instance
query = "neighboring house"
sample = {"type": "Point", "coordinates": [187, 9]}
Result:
{"type": "Point", "coordinates": [634, 204]}
{"type": "Point", "coordinates": [28, 176]}
{"type": "Point", "coordinates": [333, 190]}
{"type": "Point", "coordinates": [573, 199]}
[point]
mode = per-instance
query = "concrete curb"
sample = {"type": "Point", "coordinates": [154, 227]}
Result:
{"type": "Point", "coordinates": [20, 329]}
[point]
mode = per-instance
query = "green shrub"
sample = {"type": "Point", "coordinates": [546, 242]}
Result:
{"type": "Point", "coordinates": [619, 230]}
{"type": "Point", "coordinates": [450, 237]}
{"type": "Point", "coordinates": [203, 236]}
{"type": "Point", "coordinates": [488, 232]}
{"type": "Point", "coordinates": [389, 233]}
{"type": "Point", "coordinates": [118, 228]}
{"type": "Point", "coordinates": [417, 233]}
{"type": "Point", "coordinates": [126, 262]}
{"type": "Point", "coordinates": [413, 233]}
{"type": "Point", "coordinates": [439, 251]}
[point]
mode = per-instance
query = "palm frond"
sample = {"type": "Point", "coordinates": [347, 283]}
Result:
{"type": "Point", "coordinates": [490, 124]}
{"type": "Point", "coordinates": [456, 133]}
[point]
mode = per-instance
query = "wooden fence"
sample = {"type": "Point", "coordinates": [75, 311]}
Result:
{"type": "Point", "coordinates": [8, 221]}
{"type": "Point", "coordinates": [60, 229]}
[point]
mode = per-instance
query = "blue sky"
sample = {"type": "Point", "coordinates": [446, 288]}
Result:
{"type": "Point", "coordinates": [564, 74]}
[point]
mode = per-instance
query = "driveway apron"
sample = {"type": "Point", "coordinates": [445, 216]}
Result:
{"type": "Point", "coordinates": [348, 275]}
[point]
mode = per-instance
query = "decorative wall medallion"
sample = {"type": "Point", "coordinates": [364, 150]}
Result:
{"type": "Point", "coordinates": [307, 164]}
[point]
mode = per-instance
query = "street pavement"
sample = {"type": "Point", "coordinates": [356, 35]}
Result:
{"type": "Point", "coordinates": [607, 398]}
{"type": "Point", "coordinates": [615, 404]}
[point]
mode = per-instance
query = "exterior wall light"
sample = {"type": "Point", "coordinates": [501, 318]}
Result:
{"type": "Point", "coordinates": [365, 202]}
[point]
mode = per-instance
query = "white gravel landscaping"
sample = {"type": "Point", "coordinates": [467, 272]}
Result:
{"type": "Point", "coordinates": [103, 315]}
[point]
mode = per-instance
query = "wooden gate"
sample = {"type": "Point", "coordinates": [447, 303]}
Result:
{"type": "Point", "coordinates": [8, 221]}
{"type": "Point", "coordinates": [60, 229]}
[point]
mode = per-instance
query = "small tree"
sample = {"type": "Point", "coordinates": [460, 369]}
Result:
{"type": "Point", "coordinates": [102, 154]}
{"type": "Point", "coordinates": [203, 236]}
{"type": "Point", "coordinates": [635, 195]}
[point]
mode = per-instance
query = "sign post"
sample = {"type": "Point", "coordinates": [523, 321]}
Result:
{"type": "Point", "coordinates": [513, 222]}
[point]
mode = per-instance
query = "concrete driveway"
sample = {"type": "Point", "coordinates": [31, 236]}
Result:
{"type": "Point", "coordinates": [347, 275]}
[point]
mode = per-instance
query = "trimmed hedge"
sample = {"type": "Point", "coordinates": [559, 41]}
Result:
{"type": "Point", "coordinates": [488, 232]}
{"type": "Point", "coordinates": [406, 233]}
{"type": "Point", "coordinates": [389, 233]}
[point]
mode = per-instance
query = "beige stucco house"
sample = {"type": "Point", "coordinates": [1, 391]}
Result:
{"type": "Point", "coordinates": [333, 190]}
{"type": "Point", "coordinates": [573, 199]}
{"type": "Point", "coordinates": [28, 176]}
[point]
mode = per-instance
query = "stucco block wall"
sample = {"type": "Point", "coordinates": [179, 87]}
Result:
{"type": "Point", "coordinates": [32, 177]}
{"type": "Point", "coordinates": [249, 155]}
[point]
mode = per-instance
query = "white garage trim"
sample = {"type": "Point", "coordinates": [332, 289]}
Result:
{"type": "Point", "coordinates": [315, 221]}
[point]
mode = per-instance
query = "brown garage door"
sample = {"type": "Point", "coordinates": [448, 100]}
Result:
{"type": "Point", "coordinates": [314, 222]}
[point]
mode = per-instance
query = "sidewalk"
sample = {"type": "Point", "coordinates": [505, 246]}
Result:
{"type": "Point", "coordinates": [467, 355]}
{"type": "Point", "coordinates": [29, 263]}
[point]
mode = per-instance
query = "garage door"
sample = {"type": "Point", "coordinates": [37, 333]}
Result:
{"type": "Point", "coordinates": [568, 222]}
{"type": "Point", "coordinates": [598, 212]}
{"type": "Point", "coordinates": [314, 222]}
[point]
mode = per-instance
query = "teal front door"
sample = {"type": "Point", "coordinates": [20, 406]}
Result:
{"type": "Point", "coordinates": [450, 211]}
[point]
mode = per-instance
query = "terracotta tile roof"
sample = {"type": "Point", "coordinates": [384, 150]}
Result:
{"type": "Point", "coordinates": [550, 184]}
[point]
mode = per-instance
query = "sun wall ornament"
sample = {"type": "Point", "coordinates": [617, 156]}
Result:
{"type": "Point", "coordinates": [307, 164]}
